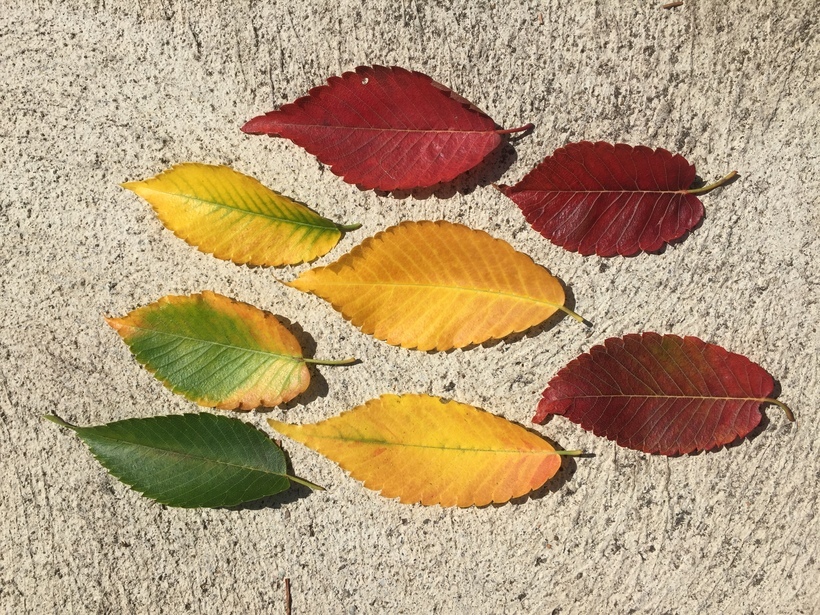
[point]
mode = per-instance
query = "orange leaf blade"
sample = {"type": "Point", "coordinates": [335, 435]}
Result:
{"type": "Point", "coordinates": [425, 450]}
{"type": "Point", "coordinates": [436, 285]}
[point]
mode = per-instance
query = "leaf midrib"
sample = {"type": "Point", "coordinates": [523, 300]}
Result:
{"type": "Point", "coordinates": [182, 454]}
{"type": "Point", "coordinates": [438, 448]}
{"type": "Point", "coordinates": [295, 359]}
{"type": "Point", "coordinates": [668, 397]}
{"type": "Point", "coordinates": [682, 191]}
{"type": "Point", "coordinates": [447, 287]}
{"type": "Point", "coordinates": [333, 227]}
{"type": "Point", "coordinates": [407, 130]}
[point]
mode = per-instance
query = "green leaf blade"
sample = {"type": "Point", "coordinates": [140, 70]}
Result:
{"type": "Point", "coordinates": [216, 351]}
{"type": "Point", "coordinates": [190, 460]}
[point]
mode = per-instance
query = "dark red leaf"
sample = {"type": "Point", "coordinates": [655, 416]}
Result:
{"type": "Point", "coordinates": [661, 393]}
{"type": "Point", "coordinates": [598, 198]}
{"type": "Point", "coordinates": [386, 128]}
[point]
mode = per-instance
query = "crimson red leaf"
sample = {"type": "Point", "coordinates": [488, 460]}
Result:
{"type": "Point", "coordinates": [661, 393]}
{"type": "Point", "coordinates": [604, 199]}
{"type": "Point", "coordinates": [386, 128]}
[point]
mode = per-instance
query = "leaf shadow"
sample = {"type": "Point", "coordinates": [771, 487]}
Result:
{"type": "Point", "coordinates": [486, 173]}
{"type": "Point", "coordinates": [535, 330]}
{"type": "Point", "coordinates": [318, 386]}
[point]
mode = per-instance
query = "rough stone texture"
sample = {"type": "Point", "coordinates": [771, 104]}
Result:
{"type": "Point", "coordinates": [94, 94]}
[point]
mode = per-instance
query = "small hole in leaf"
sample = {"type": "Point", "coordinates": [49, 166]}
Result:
{"type": "Point", "coordinates": [365, 80]}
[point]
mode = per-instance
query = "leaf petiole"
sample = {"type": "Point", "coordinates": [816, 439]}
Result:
{"type": "Point", "coordinates": [576, 316]}
{"type": "Point", "coordinates": [347, 361]}
{"type": "Point", "coordinates": [710, 187]}
{"type": "Point", "coordinates": [346, 228]}
{"type": "Point", "coordinates": [306, 483]}
{"type": "Point", "coordinates": [573, 453]}
{"type": "Point", "coordinates": [510, 131]}
{"type": "Point", "coordinates": [784, 407]}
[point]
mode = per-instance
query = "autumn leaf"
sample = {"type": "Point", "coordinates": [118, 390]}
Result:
{"type": "Point", "coordinates": [661, 393]}
{"type": "Point", "coordinates": [234, 217]}
{"type": "Point", "coordinates": [216, 351]}
{"type": "Point", "coordinates": [598, 198]}
{"type": "Point", "coordinates": [424, 449]}
{"type": "Point", "coordinates": [437, 285]}
{"type": "Point", "coordinates": [189, 460]}
{"type": "Point", "coordinates": [386, 128]}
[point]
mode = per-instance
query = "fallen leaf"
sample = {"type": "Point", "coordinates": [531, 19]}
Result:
{"type": "Point", "coordinates": [386, 128]}
{"type": "Point", "coordinates": [234, 217]}
{"type": "Point", "coordinates": [661, 393]}
{"type": "Point", "coordinates": [189, 460]}
{"type": "Point", "coordinates": [598, 198]}
{"type": "Point", "coordinates": [216, 351]}
{"type": "Point", "coordinates": [437, 285]}
{"type": "Point", "coordinates": [425, 449]}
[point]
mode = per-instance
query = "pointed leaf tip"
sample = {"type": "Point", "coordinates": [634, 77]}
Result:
{"type": "Point", "coordinates": [426, 450]}
{"type": "Point", "coordinates": [234, 217]}
{"type": "Point", "coordinates": [660, 393]}
{"type": "Point", "coordinates": [436, 286]}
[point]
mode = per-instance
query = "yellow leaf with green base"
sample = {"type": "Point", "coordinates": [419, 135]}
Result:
{"type": "Point", "coordinates": [217, 352]}
{"type": "Point", "coordinates": [234, 217]}
{"type": "Point", "coordinates": [424, 449]}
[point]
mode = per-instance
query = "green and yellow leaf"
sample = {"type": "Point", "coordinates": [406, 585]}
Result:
{"type": "Point", "coordinates": [437, 285]}
{"type": "Point", "coordinates": [216, 351]}
{"type": "Point", "coordinates": [234, 217]}
{"type": "Point", "coordinates": [424, 449]}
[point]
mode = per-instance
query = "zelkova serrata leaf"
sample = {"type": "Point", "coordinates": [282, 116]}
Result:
{"type": "Point", "coordinates": [437, 285]}
{"type": "Point", "coordinates": [216, 351]}
{"type": "Point", "coordinates": [234, 217]}
{"type": "Point", "coordinates": [189, 460]}
{"type": "Point", "coordinates": [598, 198]}
{"type": "Point", "coordinates": [425, 449]}
{"type": "Point", "coordinates": [386, 128]}
{"type": "Point", "coordinates": [661, 393]}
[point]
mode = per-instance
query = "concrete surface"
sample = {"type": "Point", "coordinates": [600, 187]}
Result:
{"type": "Point", "coordinates": [97, 93]}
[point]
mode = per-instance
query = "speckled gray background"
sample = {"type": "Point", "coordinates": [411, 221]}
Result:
{"type": "Point", "coordinates": [94, 94]}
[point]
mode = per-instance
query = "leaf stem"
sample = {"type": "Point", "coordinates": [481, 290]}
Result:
{"type": "Point", "coordinates": [576, 316]}
{"type": "Point", "coordinates": [510, 131]}
{"type": "Point", "coordinates": [306, 483]}
{"type": "Point", "coordinates": [573, 453]}
{"type": "Point", "coordinates": [783, 407]}
{"type": "Point", "coordinates": [346, 228]}
{"type": "Point", "coordinates": [710, 187]}
{"type": "Point", "coordinates": [347, 361]}
{"type": "Point", "coordinates": [56, 419]}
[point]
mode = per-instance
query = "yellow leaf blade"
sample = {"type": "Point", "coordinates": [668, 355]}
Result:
{"type": "Point", "coordinates": [422, 449]}
{"type": "Point", "coordinates": [216, 351]}
{"type": "Point", "coordinates": [234, 217]}
{"type": "Point", "coordinates": [436, 285]}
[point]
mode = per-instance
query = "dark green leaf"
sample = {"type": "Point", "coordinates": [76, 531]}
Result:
{"type": "Point", "coordinates": [189, 460]}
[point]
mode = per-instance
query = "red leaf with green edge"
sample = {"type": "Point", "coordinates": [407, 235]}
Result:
{"type": "Point", "coordinates": [386, 128]}
{"type": "Point", "coordinates": [661, 393]}
{"type": "Point", "coordinates": [604, 199]}
{"type": "Point", "coordinates": [217, 352]}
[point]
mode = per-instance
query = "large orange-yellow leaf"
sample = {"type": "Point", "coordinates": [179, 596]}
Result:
{"type": "Point", "coordinates": [424, 449]}
{"type": "Point", "coordinates": [436, 285]}
{"type": "Point", "coordinates": [216, 351]}
{"type": "Point", "coordinates": [236, 218]}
